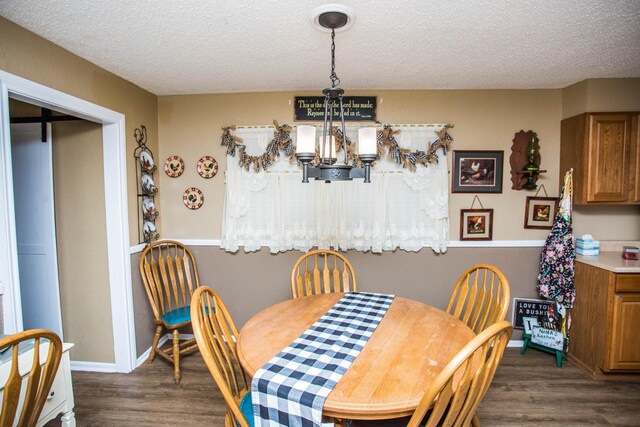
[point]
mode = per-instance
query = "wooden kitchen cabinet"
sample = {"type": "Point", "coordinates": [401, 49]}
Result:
{"type": "Point", "coordinates": [603, 150]}
{"type": "Point", "coordinates": [604, 337]}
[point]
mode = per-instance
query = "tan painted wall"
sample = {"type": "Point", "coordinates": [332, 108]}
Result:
{"type": "Point", "coordinates": [613, 94]}
{"type": "Point", "coordinates": [601, 95]}
{"type": "Point", "coordinates": [81, 237]}
{"type": "Point", "coordinates": [190, 126]}
{"type": "Point", "coordinates": [32, 57]}
{"type": "Point", "coordinates": [250, 282]}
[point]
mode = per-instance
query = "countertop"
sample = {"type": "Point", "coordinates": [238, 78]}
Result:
{"type": "Point", "coordinates": [611, 261]}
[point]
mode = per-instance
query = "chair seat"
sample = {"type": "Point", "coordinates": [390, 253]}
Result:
{"type": "Point", "coordinates": [177, 316]}
{"type": "Point", "coordinates": [246, 406]}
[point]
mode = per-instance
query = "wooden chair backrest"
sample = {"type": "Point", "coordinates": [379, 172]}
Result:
{"type": "Point", "coordinates": [322, 271]}
{"type": "Point", "coordinates": [457, 391]}
{"type": "Point", "coordinates": [38, 381]}
{"type": "Point", "coordinates": [170, 275]}
{"type": "Point", "coordinates": [481, 297]}
{"type": "Point", "coordinates": [216, 337]}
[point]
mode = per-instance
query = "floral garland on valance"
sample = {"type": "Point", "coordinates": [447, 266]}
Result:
{"type": "Point", "coordinates": [386, 145]}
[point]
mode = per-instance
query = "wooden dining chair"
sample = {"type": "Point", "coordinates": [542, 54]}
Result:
{"type": "Point", "coordinates": [170, 276]}
{"type": "Point", "coordinates": [481, 297]}
{"type": "Point", "coordinates": [216, 337]}
{"type": "Point", "coordinates": [322, 271]}
{"type": "Point", "coordinates": [453, 398]}
{"type": "Point", "coordinates": [37, 381]}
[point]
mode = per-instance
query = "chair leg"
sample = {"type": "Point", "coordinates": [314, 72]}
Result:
{"type": "Point", "coordinates": [475, 421]}
{"type": "Point", "coordinates": [176, 356]}
{"type": "Point", "coordinates": [154, 346]}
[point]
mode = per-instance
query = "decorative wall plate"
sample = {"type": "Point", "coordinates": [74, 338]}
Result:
{"type": "Point", "coordinates": [149, 210]}
{"type": "Point", "coordinates": [174, 166]}
{"type": "Point", "coordinates": [146, 161]}
{"type": "Point", "coordinates": [148, 186]}
{"type": "Point", "coordinates": [149, 231]}
{"type": "Point", "coordinates": [207, 167]}
{"type": "Point", "coordinates": [193, 198]}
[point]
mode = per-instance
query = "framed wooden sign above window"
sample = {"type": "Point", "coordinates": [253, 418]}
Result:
{"type": "Point", "coordinates": [356, 109]}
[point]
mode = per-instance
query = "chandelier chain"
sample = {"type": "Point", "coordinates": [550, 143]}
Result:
{"type": "Point", "coordinates": [335, 81]}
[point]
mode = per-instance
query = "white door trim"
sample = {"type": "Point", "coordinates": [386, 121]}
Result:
{"type": "Point", "coordinates": [115, 181]}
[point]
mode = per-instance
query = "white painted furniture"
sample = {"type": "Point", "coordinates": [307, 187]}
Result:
{"type": "Point", "coordinates": [60, 399]}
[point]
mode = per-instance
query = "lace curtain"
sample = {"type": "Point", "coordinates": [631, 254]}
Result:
{"type": "Point", "coordinates": [398, 209]}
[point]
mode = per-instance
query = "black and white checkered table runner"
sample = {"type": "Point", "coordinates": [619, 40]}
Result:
{"type": "Point", "coordinates": [291, 388]}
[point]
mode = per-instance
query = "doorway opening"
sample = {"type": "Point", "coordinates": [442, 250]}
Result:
{"type": "Point", "coordinates": [111, 126]}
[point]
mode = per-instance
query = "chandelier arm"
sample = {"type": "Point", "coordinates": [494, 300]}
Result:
{"type": "Point", "coordinates": [344, 134]}
{"type": "Point", "coordinates": [330, 130]}
{"type": "Point", "coordinates": [324, 128]}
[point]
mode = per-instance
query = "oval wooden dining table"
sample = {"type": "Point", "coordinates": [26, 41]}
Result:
{"type": "Point", "coordinates": [408, 349]}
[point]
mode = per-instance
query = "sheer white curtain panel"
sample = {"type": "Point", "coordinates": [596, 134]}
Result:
{"type": "Point", "coordinates": [399, 209]}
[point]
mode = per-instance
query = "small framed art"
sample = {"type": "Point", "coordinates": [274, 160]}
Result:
{"type": "Point", "coordinates": [476, 224]}
{"type": "Point", "coordinates": [540, 212]}
{"type": "Point", "coordinates": [477, 171]}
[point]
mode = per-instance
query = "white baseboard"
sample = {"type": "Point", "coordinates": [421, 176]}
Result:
{"type": "Point", "coordinates": [145, 356]}
{"type": "Point", "coordinates": [515, 343]}
{"type": "Point", "coordinates": [93, 366]}
{"type": "Point", "coordinates": [110, 367]}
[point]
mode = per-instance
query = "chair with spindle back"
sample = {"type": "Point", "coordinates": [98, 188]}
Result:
{"type": "Point", "coordinates": [322, 271]}
{"type": "Point", "coordinates": [38, 380]}
{"type": "Point", "coordinates": [453, 398]}
{"type": "Point", "coordinates": [481, 297]}
{"type": "Point", "coordinates": [170, 276]}
{"type": "Point", "coordinates": [216, 336]}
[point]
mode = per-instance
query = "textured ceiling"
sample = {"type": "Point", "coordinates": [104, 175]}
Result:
{"type": "Point", "coordinates": [198, 46]}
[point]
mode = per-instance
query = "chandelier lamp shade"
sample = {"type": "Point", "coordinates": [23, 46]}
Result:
{"type": "Point", "coordinates": [319, 156]}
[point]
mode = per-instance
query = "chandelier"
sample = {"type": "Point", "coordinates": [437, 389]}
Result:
{"type": "Point", "coordinates": [319, 158]}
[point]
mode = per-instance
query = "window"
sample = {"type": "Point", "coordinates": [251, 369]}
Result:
{"type": "Point", "coordinates": [398, 209]}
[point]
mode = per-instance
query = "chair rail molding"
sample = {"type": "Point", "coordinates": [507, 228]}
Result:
{"type": "Point", "coordinates": [452, 244]}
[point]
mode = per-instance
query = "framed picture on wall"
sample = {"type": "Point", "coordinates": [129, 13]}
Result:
{"type": "Point", "coordinates": [540, 212]}
{"type": "Point", "coordinates": [477, 171]}
{"type": "Point", "coordinates": [476, 224]}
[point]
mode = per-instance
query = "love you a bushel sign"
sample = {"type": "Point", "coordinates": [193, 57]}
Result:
{"type": "Point", "coordinates": [356, 108]}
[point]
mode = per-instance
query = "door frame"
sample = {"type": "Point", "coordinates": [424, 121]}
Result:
{"type": "Point", "coordinates": [116, 209]}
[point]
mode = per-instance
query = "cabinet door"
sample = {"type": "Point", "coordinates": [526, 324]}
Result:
{"type": "Point", "coordinates": [625, 345]}
{"type": "Point", "coordinates": [608, 158]}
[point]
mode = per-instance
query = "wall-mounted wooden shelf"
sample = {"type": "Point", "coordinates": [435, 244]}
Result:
{"type": "Point", "coordinates": [518, 160]}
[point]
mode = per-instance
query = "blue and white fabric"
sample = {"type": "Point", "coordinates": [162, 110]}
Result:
{"type": "Point", "coordinates": [291, 388]}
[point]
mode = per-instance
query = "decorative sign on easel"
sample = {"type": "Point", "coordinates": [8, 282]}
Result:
{"type": "Point", "coordinates": [535, 308]}
{"type": "Point", "coordinates": [547, 337]}
{"type": "Point", "coordinates": [356, 108]}
{"type": "Point", "coordinates": [529, 323]}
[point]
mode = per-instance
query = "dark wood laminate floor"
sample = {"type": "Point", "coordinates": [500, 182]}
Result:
{"type": "Point", "coordinates": [527, 391]}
